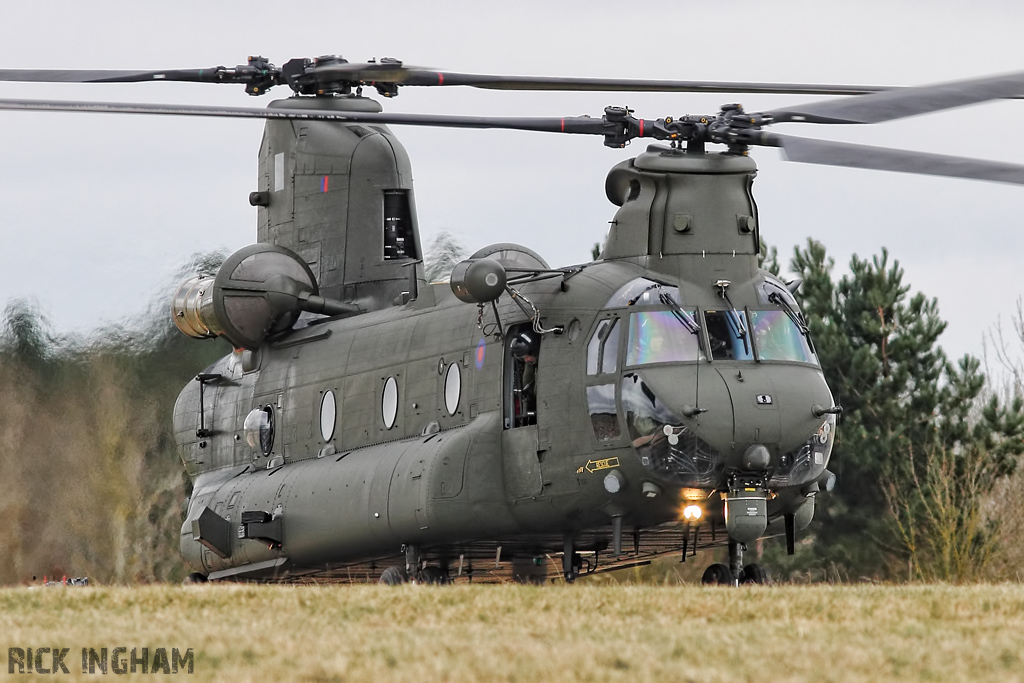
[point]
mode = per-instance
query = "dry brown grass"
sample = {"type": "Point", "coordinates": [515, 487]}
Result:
{"type": "Point", "coordinates": [521, 633]}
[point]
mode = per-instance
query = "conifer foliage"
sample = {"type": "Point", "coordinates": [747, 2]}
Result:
{"type": "Point", "coordinates": [919, 434]}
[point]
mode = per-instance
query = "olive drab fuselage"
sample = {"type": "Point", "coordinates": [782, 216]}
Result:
{"type": "Point", "coordinates": [672, 370]}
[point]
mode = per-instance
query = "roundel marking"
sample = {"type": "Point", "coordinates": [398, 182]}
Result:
{"type": "Point", "coordinates": [481, 351]}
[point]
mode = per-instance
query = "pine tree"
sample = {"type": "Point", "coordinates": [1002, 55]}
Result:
{"type": "Point", "coordinates": [901, 397]}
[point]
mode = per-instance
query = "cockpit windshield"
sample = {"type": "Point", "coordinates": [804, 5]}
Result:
{"type": "Point", "coordinates": [663, 337]}
{"type": "Point", "coordinates": [672, 337]}
{"type": "Point", "coordinates": [728, 335]}
{"type": "Point", "coordinates": [778, 338]}
{"type": "Point", "coordinates": [678, 334]}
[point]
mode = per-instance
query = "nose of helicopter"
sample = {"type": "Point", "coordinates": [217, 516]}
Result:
{"type": "Point", "coordinates": [736, 407]}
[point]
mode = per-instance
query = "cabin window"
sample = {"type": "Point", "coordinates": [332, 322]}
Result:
{"type": "Point", "coordinates": [603, 350]}
{"type": "Point", "coordinates": [452, 388]}
{"type": "Point", "coordinates": [259, 429]}
{"type": "Point", "coordinates": [328, 415]}
{"type": "Point", "coordinates": [389, 402]}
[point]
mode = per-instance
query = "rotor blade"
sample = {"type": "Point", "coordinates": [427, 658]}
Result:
{"type": "Point", "coordinates": [903, 102]}
{"type": "Point", "coordinates": [804, 150]}
{"type": "Point", "coordinates": [829, 153]}
{"type": "Point", "coordinates": [576, 124]}
{"type": "Point", "coordinates": [418, 76]}
{"type": "Point", "coordinates": [216, 74]}
{"type": "Point", "coordinates": [410, 75]}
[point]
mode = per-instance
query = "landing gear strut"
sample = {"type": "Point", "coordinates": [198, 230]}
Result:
{"type": "Point", "coordinates": [571, 562]}
{"type": "Point", "coordinates": [736, 559]}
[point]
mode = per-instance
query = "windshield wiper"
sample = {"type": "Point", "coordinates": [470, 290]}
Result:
{"type": "Point", "coordinates": [738, 328]}
{"type": "Point", "coordinates": [796, 317]}
{"type": "Point", "coordinates": [684, 318]}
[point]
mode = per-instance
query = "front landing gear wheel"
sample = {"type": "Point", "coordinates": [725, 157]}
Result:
{"type": "Point", "coordinates": [754, 574]}
{"type": "Point", "coordinates": [717, 575]}
{"type": "Point", "coordinates": [195, 578]}
{"type": "Point", "coordinates": [394, 576]}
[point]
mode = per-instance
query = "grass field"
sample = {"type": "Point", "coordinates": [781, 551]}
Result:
{"type": "Point", "coordinates": [523, 633]}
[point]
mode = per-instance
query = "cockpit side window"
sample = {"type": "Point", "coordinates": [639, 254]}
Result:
{"type": "Point", "coordinates": [769, 290]}
{"type": "Point", "coordinates": [603, 350]}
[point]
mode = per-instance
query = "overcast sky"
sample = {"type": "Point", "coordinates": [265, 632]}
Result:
{"type": "Point", "coordinates": [98, 211]}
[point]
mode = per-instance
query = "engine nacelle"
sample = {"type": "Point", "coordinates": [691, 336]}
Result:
{"type": "Point", "coordinates": [192, 308]}
{"type": "Point", "coordinates": [477, 281]}
{"type": "Point", "coordinates": [260, 290]}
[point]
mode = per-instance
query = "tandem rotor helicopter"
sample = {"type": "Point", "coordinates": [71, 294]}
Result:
{"type": "Point", "coordinates": [662, 399]}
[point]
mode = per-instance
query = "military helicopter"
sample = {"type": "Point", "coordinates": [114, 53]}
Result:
{"type": "Point", "coordinates": [667, 393]}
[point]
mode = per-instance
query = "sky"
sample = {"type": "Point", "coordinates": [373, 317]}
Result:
{"type": "Point", "coordinates": [98, 213]}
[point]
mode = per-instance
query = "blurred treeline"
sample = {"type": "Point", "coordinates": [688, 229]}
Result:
{"type": "Point", "coordinates": [91, 481]}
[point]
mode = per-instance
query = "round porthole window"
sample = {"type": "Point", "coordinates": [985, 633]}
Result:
{"type": "Point", "coordinates": [574, 330]}
{"type": "Point", "coordinates": [389, 403]}
{"type": "Point", "coordinates": [259, 429]}
{"type": "Point", "coordinates": [328, 415]}
{"type": "Point", "coordinates": [452, 388]}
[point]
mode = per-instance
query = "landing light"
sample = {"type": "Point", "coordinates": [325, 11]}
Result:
{"type": "Point", "coordinates": [692, 513]}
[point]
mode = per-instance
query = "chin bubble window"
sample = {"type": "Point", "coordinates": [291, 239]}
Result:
{"type": "Point", "coordinates": [259, 429]}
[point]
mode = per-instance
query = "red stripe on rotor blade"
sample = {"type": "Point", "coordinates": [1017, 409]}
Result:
{"type": "Point", "coordinates": [641, 127]}
{"type": "Point", "coordinates": [563, 125]}
{"type": "Point", "coordinates": [440, 79]}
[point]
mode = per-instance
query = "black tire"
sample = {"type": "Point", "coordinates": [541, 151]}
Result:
{"type": "Point", "coordinates": [393, 576]}
{"type": "Point", "coordinates": [432, 576]}
{"type": "Point", "coordinates": [754, 574]}
{"type": "Point", "coordinates": [195, 578]}
{"type": "Point", "coordinates": [717, 575]}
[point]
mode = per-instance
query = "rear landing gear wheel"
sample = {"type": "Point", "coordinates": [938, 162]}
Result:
{"type": "Point", "coordinates": [394, 576]}
{"type": "Point", "coordinates": [717, 575]}
{"type": "Point", "coordinates": [195, 578]}
{"type": "Point", "coordinates": [432, 576]}
{"type": "Point", "coordinates": [754, 574]}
